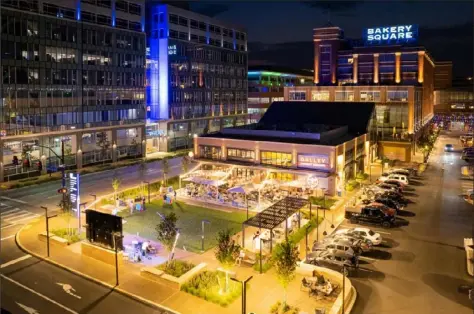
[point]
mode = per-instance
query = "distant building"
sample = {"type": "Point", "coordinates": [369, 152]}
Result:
{"type": "Point", "coordinates": [196, 76]}
{"type": "Point", "coordinates": [266, 85]}
{"type": "Point", "coordinates": [73, 84]}
{"type": "Point", "coordinates": [443, 75]}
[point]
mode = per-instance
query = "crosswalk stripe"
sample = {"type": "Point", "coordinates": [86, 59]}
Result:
{"type": "Point", "coordinates": [2, 214]}
{"type": "Point", "coordinates": [12, 218]}
{"type": "Point", "coordinates": [14, 212]}
{"type": "Point", "coordinates": [26, 218]}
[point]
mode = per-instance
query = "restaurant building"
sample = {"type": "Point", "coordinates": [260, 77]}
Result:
{"type": "Point", "coordinates": [325, 143]}
{"type": "Point", "coordinates": [386, 67]}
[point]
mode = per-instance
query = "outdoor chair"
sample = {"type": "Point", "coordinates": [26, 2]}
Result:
{"type": "Point", "coordinates": [305, 285]}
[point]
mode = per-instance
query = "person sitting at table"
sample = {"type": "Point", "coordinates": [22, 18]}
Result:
{"type": "Point", "coordinates": [320, 278]}
{"type": "Point", "coordinates": [145, 247]}
{"type": "Point", "coordinates": [241, 256]}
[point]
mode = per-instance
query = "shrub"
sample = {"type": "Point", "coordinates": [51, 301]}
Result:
{"type": "Point", "coordinates": [266, 265]}
{"type": "Point", "coordinates": [176, 268]}
{"type": "Point", "coordinates": [321, 202]}
{"type": "Point", "coordinates": [208, 285]}
{"type": "Point", "coordinates": [351, 185]}
{"type": "Point", "coordinates": [275, 309]}
{"type": "Point", "coordinates": [70, 235]}
{"type": "Point", "coordinates": [362, 176]}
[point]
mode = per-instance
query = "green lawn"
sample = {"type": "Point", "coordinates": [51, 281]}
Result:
{"type": "Point", "coordinates": [189, 220]}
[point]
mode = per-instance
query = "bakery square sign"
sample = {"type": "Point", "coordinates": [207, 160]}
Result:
{"type": "Point", "coordinates": [313, 161]}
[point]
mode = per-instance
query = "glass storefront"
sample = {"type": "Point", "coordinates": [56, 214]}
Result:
{"type": "Point", "coordinates": [240, 154]}
{"type": "Point", "coordinates": [210, 152]}
{"type": "Point", "coordinates": [276, 159]}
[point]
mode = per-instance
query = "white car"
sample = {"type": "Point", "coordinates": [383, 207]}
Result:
{"type": "Point", "coordinates": [366, 233]}
{"type": "Point", "coordinates": [400, 171]}
{"type": "Point", "coordinates": [393, 176]}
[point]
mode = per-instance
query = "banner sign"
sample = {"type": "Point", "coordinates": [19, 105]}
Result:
{"type": "Point", "coordinates": [390, 35]}
{"type": "Point", "coordinates": [313, 161]}
{"type": "Point", "coordinates": [74, 191]}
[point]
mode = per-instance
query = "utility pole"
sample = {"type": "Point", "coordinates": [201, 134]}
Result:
{"type": "Point", "coordinates": [116, 237]}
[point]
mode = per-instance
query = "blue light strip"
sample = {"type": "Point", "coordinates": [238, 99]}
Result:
{"type": "Point", "coordinates": [113, 13]}
{"type": "Point", "coordinates": [78, 10]}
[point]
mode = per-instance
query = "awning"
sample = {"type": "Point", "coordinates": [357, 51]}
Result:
{"type": "Point", "coordinates": [200, 180]}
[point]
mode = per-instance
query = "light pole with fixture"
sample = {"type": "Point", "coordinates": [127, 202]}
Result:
{"type": "Point", "coordinates": [244, 292]}
{"type": "Point", "coordinates": [204, 221]}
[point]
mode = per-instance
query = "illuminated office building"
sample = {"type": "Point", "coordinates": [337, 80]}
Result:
{"type": "Point", "coordinates": [73, 83]}
{"type": "Point", "coordinates": [266, 85]}
{"type": "Point", "coordinates": [196, 76]}
{"type": "Point", "coordinates": [387, 68]}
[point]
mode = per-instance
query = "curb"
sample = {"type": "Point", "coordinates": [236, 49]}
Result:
{"type": "Point", "coordinates": [348, 309]}
{"type": "Point", "coordinates": [102, 283]}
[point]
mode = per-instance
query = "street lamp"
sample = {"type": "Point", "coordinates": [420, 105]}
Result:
{"type": "Point", "coordinates": [306, 242]}
{"type": "Point", "coordinates": [261, 244]}
{"type": "Point", "coordinates": [116, 236]}
{"type": "Point", "coordinates": [244, 292]}
{"type": "Point", "coordinates": [204, 221]}
{"type": "Point", "coordinates": [79, 216]}
{"type": "Point", "coordinates": [95, 200]}
{"type": "Point", "coordinates": [47, 227]}
{"type": "Point", "coordinates": [147, 182]}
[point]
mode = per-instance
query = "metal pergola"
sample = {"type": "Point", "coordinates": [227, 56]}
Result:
{"type": "Point", "coordinates": [274, 215]}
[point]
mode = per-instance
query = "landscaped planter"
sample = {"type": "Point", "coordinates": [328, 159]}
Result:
{"type": "Point", "coordinates": [53, 239]}
{"type": "Point", "coordinates": [102, 254]}
{"type": "Point", "coordinates": [160, 276]}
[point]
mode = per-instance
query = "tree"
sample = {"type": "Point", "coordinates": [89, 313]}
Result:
{"type": "Point", "coordinates": [166, 231]}
{"type": "Point", "coordinates": [185, 164]}
{"type": "Point", "coordinates": [115, 185]}
{"type": "Point", "coordinates": [166, 169]}
{"type": "Point", "coordinates": [286, 256]}
{"type": "Point", "coordinates": [226, 252]}
{"type": "Point", "coordinates": [103, 143]}
{"type": "Point", "coordinates": [66, 211]}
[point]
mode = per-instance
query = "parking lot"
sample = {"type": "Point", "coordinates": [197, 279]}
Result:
{"type": "Point", "coordinates": [421, 262]}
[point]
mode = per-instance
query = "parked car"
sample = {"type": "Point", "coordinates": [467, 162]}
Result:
{"type": "Point", "coordinates": [396, 197]}
{"type": "Point", "coordinates": [395, 187]}
{"type": "Point", "coordinates": [367, 233]}
{"type": "Point", "coordinates": [346, 246]}
{"type": "Point", "coordinates": [448, 147]}
{"type": "Point", "coordinates": [333, 260]}
{"type": "Point", "coordinates": [373, 190]}
{"type": "Point", "coordinates": [402, 178]}
{"type": "Point", "coordinates": [395, 182]}
{"type": "Point", "coordinates": [400, 171]}
{"type": "Point", "coordinates": [374, 215]}
{"type": "Point", "coordinates": [389, 187]}
{"type": "Point", "coordinates": [365, 244]}
{"type": "Point", "coordinates": [391, 203]}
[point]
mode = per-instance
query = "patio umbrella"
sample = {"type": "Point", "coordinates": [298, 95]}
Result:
{"type": "Point", "coordinates": [237, 189]}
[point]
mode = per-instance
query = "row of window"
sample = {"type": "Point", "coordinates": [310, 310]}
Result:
{"type": "Point", "coordinates": [349, 96]}
{"type": "Point", "coordinates": [278, 159]}
{"type": "Point", "coordinates": [203, 110]}
{"type": "Point", "coordinates": [198, 39]}
{"type": "Point", "coordinates": [199, 96]}
{"type": "Point", "coordinates": [23, 75]}
{"type": "Point", "coordinates": [120, 5]}
{"type": "Point", "coordinates": [211, 68]}
{"type": "Point", "coordinates": [208, 82]}
{"type": "Point", "coordinates": [183, 21]}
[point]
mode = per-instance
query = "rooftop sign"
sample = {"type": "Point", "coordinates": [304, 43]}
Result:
{"type": "Point", "coordinates": [389, 35]}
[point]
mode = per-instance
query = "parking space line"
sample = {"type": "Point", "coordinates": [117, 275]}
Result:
{"type": "Point", "coordinates": [39, 294]}
{"type": "Point", "coordinates": [6, 238]}
{"type": "Point", "coordinates": [12, 262]}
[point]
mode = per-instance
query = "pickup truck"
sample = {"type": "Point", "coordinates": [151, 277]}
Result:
{"type": "Point", "coordinates": [376, 215]}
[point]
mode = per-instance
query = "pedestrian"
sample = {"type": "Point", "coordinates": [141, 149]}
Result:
{"type": "Point", "coordinates": [143, 202]}
{"type": "Point", "coordinates": [40, 166]}
{"type": "Point", "coordinates": [15, 161]}
{"type": "Point", "coordinates": [175, 195]}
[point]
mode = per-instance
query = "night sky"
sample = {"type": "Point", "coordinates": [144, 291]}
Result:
{"type": "Point", "coordinates": [280, 32]}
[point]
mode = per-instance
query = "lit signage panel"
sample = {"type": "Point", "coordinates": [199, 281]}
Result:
{"type": "Point", "coordinates": [172, 50]}
{"type": "Point", "coordinates": [389, 35]}
{"type": "Point", "coordinates": [74, 191]}
{"type": "Point", "coordinates": [313, 161]}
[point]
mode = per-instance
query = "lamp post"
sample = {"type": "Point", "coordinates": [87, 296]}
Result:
{"type": "Point", "coordinates": [261, 244]}
{"type": "Point", "coordinates": [79, 216]}
{"type": "Point", "coordinates": [244, 292]}
{"type": "Point", "coordinates": [306, 241]}
{"type": "Point", "coordinates": [247, 201]}
{"type": "Point", "coordinates": [317, 220]}
{"type": "Point", "coordinates": [47, 227]}
{"type": "Point", "coordinates": [148, 183]}
{"type": "Point", "coordinates": [343, 286]}
{"type": "Point", "coordinates": [204, 221]}
{"type": "Point", "coordinates": [116, 237]}
{"type": "Point", "coordinates": [95, 200]}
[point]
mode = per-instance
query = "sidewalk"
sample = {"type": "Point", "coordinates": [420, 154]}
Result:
{"type": "Point", "coordinates": [264, 289]}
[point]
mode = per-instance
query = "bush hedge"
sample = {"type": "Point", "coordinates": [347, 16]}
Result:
{"type": "Point", "coordinates": [176, 268]}
{"type": "Point", "coordinates": [70, 235]}
{"type": "Point", "coordinates": [209, 285]}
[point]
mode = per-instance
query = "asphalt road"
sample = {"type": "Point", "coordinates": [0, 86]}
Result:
{"type": "Point", "coordinates": [94, 183]}
{"type": "Point", "coordinates": [29, 285]}
{"type": "Point", "coordinates": [421, 263]}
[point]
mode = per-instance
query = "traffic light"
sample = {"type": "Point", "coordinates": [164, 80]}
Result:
{"type": "Point", "coordinates": [62, 191]}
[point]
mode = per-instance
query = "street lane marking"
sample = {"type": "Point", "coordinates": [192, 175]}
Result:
{"type": "Point", "coordinates": [9, 211]}
{"type": "Point", "coordinates": [13, 200]}
{"type": "Point", "coordinates": [10, 225]}
{"type": "Point", "coordinates": [39, 294]}
{"type": "Point", "coordinates": [22, 219]}
{"type": "Point", "coordinates": [12, 217]}
{"type": "Point", "coordinates": [6, 238]}
{"type": "Point", "coordinates": [19, 259]}
{"type": "Point", "coordinates": [16, 211]}
{"type": "Point", "coordinates": [27, 309]}
{"type": "Point", "coordinates": [69, 289]}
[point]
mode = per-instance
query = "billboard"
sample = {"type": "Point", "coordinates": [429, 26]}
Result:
{"type": "Point", "coordinates": [390, 35]}
{"type": "Point", "coordinates": [313, 161]}
{"type": "Point", "coordinates": [74, 191]}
